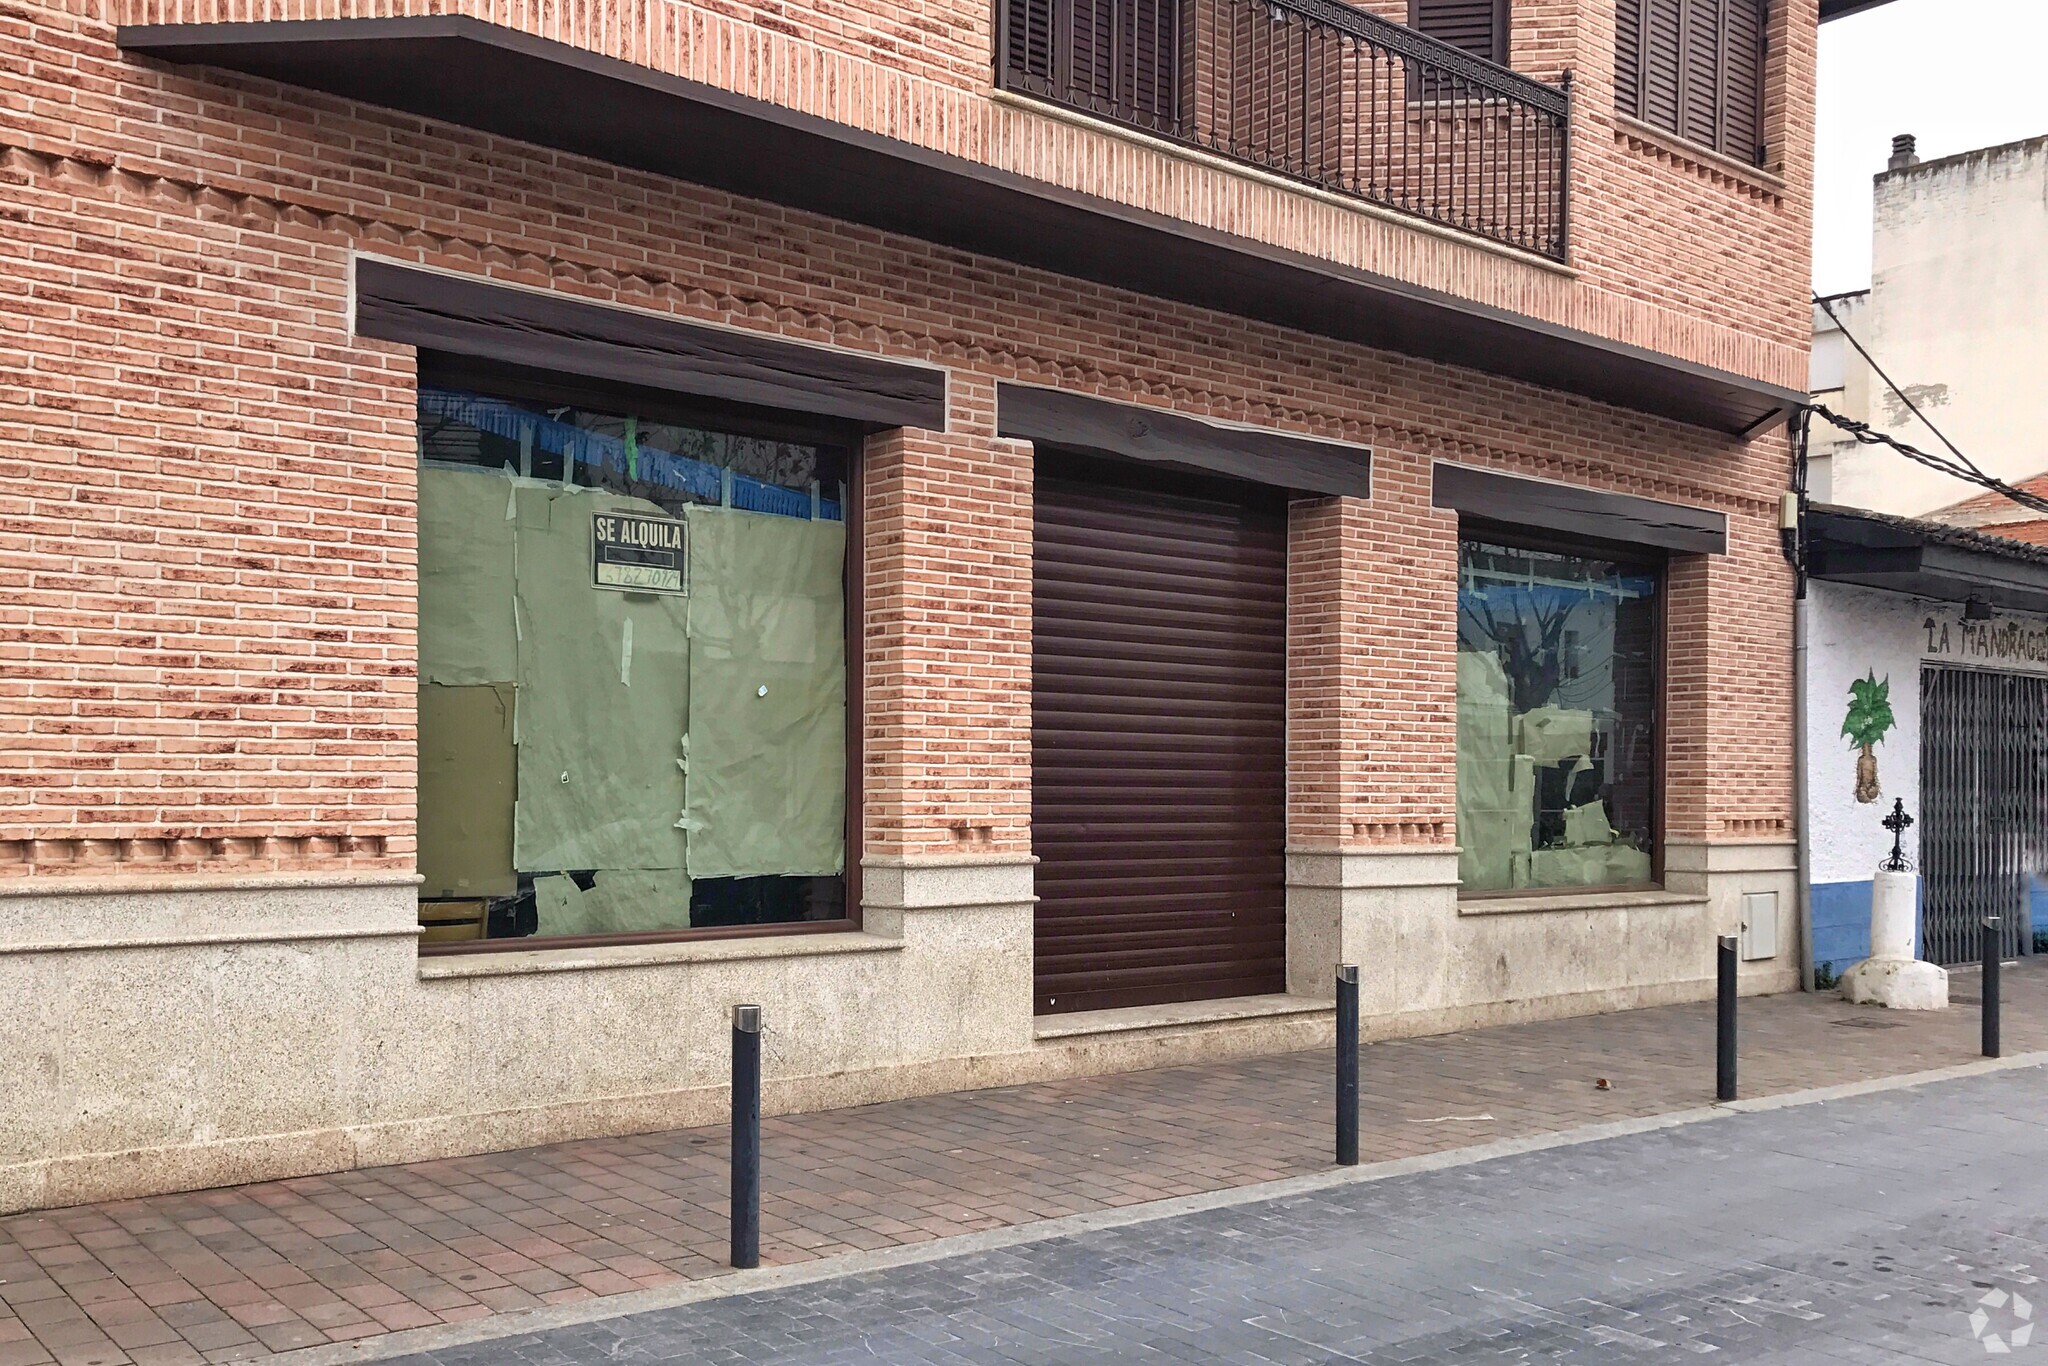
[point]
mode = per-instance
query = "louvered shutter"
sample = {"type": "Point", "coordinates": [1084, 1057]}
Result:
{"type": "Point", "coordinates": [1628, 57]}
{"type": "Point", "coordinates": [1093, 29]}
{"type": "Point", "coordinates": [1118, 57]}
{"type": "Point", "coordinates": [1694, 68]}
{"type": "Point", "coordinates": [1699, 105]}
{"type": "Point", "coordinates": [1027, 45]}
{"type": "Point", "coordinates": [1154, 40]}
{"type": "Point", "coordinates": [1742, 119]}
{"type": "Point", "coordinates": [1662, 46]}
{"type": "Point", "coordinates": [1479, 27]}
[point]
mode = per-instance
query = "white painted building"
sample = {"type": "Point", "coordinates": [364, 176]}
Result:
{"type": "Point", "coordinates": [1948, 629]}
{"type": "Point", "coordinates": [1956, 314]}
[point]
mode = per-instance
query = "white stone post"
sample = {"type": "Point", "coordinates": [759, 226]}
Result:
{"type": "Point", "coordinates": [1892, 976]}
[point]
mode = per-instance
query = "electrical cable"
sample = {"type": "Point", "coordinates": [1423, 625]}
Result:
{"type": "Point", "coordinates": [1863, 432]}
{"type": "Point", "coordinates": [1827, 306]}
{"type": "Point", "coordinates": [1870, 436]}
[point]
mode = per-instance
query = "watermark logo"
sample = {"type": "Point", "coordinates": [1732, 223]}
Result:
{"type": "Point", "coordinates": [2002, 1321]}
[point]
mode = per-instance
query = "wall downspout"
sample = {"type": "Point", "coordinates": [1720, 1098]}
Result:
{"type": "Point", "coordinates": [1802, 855]}
{"type": "Point", "coordinates": [1792, 534]}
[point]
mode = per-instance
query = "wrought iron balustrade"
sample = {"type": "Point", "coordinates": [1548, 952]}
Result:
{"type": "Point", "coordinates": [1314, 90]}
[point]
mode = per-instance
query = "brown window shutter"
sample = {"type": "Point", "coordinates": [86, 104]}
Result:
{"type": "Point", "coordinates": [1118, 57]}
{"type": "Point", "coordinates": [1154, 41]}
{"type": "Point", "coordinates": [1094, 41]}
{"type": "Point", "coordinates": [1742, 115]}
{"type": "Point", "coordinates": [1694, 68]}
{"type": "Point", "coordinates": [1479, 27]}
{"type": "Point", "coordinates": [1700, 43]}
{"type": "Point", "coordinates": [1628, 57]}
{"type": "Point", "coordinates": [1663, 22]}
{"type": "Point", "coordinates": [1027, 43]}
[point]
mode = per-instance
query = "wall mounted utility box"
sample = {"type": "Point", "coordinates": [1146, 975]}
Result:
{"type": "Point", "coordinates": [1759, 925]}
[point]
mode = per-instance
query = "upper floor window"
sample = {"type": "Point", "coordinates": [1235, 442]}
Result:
{"type": "Point", "coordinates": [1694, 68]}
{"type": "Point", "coordinates": [1479, 27]}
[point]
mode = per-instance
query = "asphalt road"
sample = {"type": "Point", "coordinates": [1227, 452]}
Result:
{"type": "Point", "coordinates": [1861, 1230]}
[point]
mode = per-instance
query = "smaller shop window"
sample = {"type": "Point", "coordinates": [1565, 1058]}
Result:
{"type": "Point", "coordinates": [1557, 717]}
{"type": "Point", "coordinates": [633, 663]}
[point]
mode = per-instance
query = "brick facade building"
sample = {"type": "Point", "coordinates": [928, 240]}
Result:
{"type": "Point", "coordinates": [276, 278]}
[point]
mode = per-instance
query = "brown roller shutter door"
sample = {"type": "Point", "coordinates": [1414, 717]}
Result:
{"type": "Point", "coordinates": [1159, 779]}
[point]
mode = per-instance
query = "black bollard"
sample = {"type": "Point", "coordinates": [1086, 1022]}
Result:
{"type": "Point", "coordinates": [746, 1136]}
{"type": "Point", "coordinates": [1724, 1022]}
{"type": "Point", "coordinates": [1347, 1065]}
{"type": "Point", "coordinates": [1989, 936]}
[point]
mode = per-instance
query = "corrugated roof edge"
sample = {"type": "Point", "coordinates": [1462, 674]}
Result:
{"type": "Point", "coordinates": [1940, 533]}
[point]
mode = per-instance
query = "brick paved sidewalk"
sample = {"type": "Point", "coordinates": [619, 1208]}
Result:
{"type": "Point", "coordinates": [237, 1273]}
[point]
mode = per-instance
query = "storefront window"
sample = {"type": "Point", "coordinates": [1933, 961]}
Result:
{"type": "Point", "coordinates": [632, 711]}
{"type": "Point", "coordinates": [1557, 735]}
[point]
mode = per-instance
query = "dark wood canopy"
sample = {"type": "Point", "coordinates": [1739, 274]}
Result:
{"type": "Point", "coordinates": [1925, 559]}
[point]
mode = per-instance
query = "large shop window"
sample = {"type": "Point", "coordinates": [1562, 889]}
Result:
{"type": "Point", "coordinates": [1557, 724]}
{"type": "Point", "coordinates": [633, 665]}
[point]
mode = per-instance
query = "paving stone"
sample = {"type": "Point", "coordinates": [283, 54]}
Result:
{"type": "Point", "coordinates": [413, 1244]}
{"type": "Point", "coordinates": [1632, 1250]}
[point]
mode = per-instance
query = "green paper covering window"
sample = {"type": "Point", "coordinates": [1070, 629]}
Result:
{"type": "Point", "coordinates": [633, 662]}
{"type": "Point", "coordinates": [1557, 732]}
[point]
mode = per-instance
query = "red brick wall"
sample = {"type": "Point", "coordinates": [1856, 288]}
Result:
{"type": "Point", "coordinates": [206, 484]}
{"type": "Point", "coordinates": [1670, 252]}
{"type": "Point", "coordinates": [946, 631]}
{"type": "Point", "coordinates": [1702, 236]}
{"type": "Point", "coordinates": [1372, 638]}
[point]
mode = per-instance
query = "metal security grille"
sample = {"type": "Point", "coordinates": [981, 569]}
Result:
{"type": "Point", "coordinates": [1984, 795]}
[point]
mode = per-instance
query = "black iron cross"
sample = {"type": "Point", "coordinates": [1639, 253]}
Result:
{"type": "Point", "coordinates": [1897, 822]}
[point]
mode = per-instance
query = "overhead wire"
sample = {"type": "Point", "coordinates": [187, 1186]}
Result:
{"type": "Point", "coordinates": [1870, 436]}
{"type": "Point", "coordinates": [1827, 306]}
{"type": "Point", "coordinates": [1961, 467]}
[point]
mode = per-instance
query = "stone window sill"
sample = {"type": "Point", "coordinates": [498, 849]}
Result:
{"type": "Point", "coordinates": [779, 946]}
{"type": "Point", "coordinates": [1532, 903]}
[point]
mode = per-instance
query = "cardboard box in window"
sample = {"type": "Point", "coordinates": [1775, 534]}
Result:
{"type": "Point", "coordinates": [447, 921]}
{"type": "Point", "coordinates": [467, 784]}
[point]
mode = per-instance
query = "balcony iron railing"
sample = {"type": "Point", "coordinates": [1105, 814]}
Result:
{"type": "Point", "coordinates": [1314, 90]}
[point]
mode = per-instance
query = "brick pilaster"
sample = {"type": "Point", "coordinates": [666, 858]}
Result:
{"type": "Point", "coordinates": [946, 597]}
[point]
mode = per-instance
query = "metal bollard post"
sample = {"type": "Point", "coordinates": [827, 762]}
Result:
{"type": "Point", "coordinates": [1724, 1021]}
{"type": "Point", "coordinates": [746, 1136]}
{"type": "Point", "coordinates": [1347, 1065]}
{"type": "Point", "coordinates": [1989, 935]}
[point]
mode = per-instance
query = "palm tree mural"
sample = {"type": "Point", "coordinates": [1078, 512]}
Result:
{"type": "Point", "coordinates": [1869, 718]}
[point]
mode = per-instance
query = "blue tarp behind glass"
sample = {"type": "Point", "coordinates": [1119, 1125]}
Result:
{"type": "Point", "coordinates": [697, 479]}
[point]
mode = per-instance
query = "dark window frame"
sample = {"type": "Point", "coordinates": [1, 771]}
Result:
{"type": "Point", "coordinates": [1145, 77]}
{"type": "Point", "coordinates": [1418, 20]}
{"type": "Point", "coordinates": [1633, 66]}
{"type": "Point", "coordinates": [523, 384]}
{"type": "Point", "coordinates": [1649, 559]}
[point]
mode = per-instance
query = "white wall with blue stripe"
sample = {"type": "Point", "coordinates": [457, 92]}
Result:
{"type": "Point", "coordinates": [1886, 639]}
